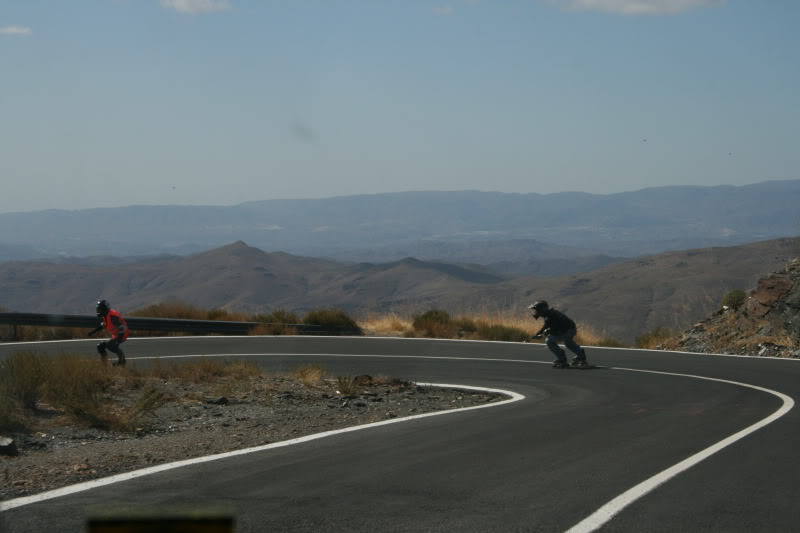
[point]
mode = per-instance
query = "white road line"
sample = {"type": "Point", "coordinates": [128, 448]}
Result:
{"type": "Point", "coordinates": [591, 523]}
{"type": "Point", "coordinates": [224, 337]}
{"type": "Point", "coordinates": [600, 517]}
{"type": "Point", "coordinates": [605, 513]}
{"type": "Point", "coordinates": [80, 487]}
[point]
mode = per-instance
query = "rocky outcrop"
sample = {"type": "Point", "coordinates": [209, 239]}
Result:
{"type": "Point", "coordinates": [768, 324]}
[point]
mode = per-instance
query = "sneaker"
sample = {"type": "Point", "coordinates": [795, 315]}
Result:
{"type": "Point", "coordinates": [580, 359]}
{"type": "Point", "coordinates": [560, 363]}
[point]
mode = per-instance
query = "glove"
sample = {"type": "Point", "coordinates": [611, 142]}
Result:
{"type": "Point", "coordinates": [538, 336]}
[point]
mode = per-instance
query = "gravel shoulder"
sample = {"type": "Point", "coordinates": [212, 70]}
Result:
{"type": "Point", "coordinates": [209, 417]}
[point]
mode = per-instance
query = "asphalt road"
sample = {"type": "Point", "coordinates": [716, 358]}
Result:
{"type": "Point", "coordinates": [578, 440]}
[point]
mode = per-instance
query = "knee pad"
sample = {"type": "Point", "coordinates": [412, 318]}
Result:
{"type": "Point", "coordinates": [101, 349]}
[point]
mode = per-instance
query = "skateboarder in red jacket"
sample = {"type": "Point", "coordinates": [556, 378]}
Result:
{"type": "Point", "coordinates": [559, 328]}
{"type": "Point", "coordinates": [113, 322]}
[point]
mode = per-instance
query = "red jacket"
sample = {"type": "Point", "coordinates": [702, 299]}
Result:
{"type": "Point", "coordinates": [116, 325]}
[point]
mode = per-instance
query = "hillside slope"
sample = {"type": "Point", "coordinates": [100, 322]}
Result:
{"type": "Point", "coordinates": [674, 289]}
{"type": "Point", "coordinates": [766, 324]}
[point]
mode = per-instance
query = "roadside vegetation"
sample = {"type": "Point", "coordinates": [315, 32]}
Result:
{"type": "Point", "coordinates": [37, 392]}
{"type": "Point", "coordinates": [433, 323]}
{"type": "Point", "coordinates": [438, 323]}
{"type": "Point", "coordinates": [650, 340]}
{"type": "Point", "coordinates": [278, 322]}
{"type": "Point", "coordinates": [734, 299]}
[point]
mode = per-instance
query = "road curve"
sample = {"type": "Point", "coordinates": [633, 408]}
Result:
{"type": "Point", "coordinates": [578, 442]}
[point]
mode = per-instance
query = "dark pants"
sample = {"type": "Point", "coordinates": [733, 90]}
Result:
{"type": "Point", "coordinates": [568, 338]}
{"type": "Point", "coordinates": [113, 346]}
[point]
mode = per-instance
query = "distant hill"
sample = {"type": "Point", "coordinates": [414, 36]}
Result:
{"type": "Point", "coordinates": [672, 289]}
{"type": "Point", "coordinates": [442, 225]}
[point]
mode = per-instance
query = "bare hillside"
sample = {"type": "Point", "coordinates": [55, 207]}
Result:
{"type": "Point", "coordinates": [673, 289]}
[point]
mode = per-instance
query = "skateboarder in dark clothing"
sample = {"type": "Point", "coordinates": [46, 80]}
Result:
{"type": "Point", "coordinates": [559, 328]}
{"type": "Point", "coordinates": [112, 321]}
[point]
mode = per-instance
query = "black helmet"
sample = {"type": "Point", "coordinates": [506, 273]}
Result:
{"type": "Point", "coordinates": [539, 308]}
{"type": "Point", "coordinates": [102, 308]}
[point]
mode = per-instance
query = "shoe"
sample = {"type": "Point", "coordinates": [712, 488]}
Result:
{"type": "Point", "coordinates": [580, 360]}
{"type": "Point", "coordinates": [560, 363]}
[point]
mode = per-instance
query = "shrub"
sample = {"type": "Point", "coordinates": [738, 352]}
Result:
{"type": "Point", "coordinates": [333, 318]}
{"type": "Point", "coordinates": [609, 342]}
{"type": "Point", "coordinates": [435, 323]}
{"type": "Point", "coordinates": [433, 316]}
{"type": "Point", "coordinates": [651, 339]}
{"type": "Point", "coordinates": [734, 299]}
{"type": "Point", "coordinates": [128, 419]}
{"type": "Point", "coordinates": [217, 314]}
{"type": "Point", "coordinates": [12, 416]}
{"type": "Point", "coordinates": [77, 385]}
{"type": "Point", "coordinates": [465, 325]}
{"type": "Point", "coordinates": [202, 371]}
{"type": "Point", "coordinates": [347, 385]}
{"type": "Point", "coordinates": [275, 323]}
{"type": "Point", "coordinates": [179, 310]}
{"type": "Point", "coordinates": [311, 374]}
{"type": "Point", "coordinates": [279, 316]}
{"type": "Point", "coordinates": [499, 332]}
{"type": "Point", "coordinates": [21, 379]}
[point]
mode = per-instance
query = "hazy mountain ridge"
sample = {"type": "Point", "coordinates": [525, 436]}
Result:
{"type": "Point", "coordinates": [631, 223]}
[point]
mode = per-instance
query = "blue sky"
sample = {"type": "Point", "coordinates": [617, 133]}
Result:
{"type": "Point", "coordinates": [120, 102]}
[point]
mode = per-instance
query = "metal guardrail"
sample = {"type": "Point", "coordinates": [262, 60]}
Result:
{"type": "Point", "coordinates": [165, 324]}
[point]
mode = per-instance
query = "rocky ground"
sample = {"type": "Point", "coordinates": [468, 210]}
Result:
{"type": "Point", "coordinates": [767, 323]}
{"type": "Point", "coordinates": [197, 420]}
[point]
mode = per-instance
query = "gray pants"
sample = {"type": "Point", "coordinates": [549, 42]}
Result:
{"type": "Point", "coordinates": [568, 339]}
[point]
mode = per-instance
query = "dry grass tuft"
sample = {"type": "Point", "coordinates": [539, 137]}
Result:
{"type": "Point", "coordinates": [84, 389]}
{"type": "Point", "coordinates": [388, 325]}
{"type": "Point", "coordinates": [40, 333]}
{"type": "Point", "coordinates": [21, 379]}
{"type": "Point", "coordinates": [311, 375]}
{"type": "Point", "coordinates": [347, 385]}
{"type": "Point", "coordinates": [650, 340]}
{"type": "Point", "coordinates": [77, 385]}
{"type": "Point", "coordinates": [272, 329]}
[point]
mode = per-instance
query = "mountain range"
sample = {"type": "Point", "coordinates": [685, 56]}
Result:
{"type": "Point", "coordinates": [516, 233]}
{"type": "Point", "coordinates": [623, 300]}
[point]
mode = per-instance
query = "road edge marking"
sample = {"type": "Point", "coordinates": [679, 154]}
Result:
{"type": "Point", "coordinates": [759, 357]}
{"type": "Point", "coordinates": [117, 478]}
{"type": "Point", "coordinates": [608, 511]}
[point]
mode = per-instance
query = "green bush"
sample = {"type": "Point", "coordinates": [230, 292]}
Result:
{"type": "Point", "coordinates": [734, 299]}
{"type": "Point", "coordinates": [332, 318]}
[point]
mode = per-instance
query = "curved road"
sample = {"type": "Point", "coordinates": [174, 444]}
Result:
{"type": "Point", "coordinates": [578, 440]}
